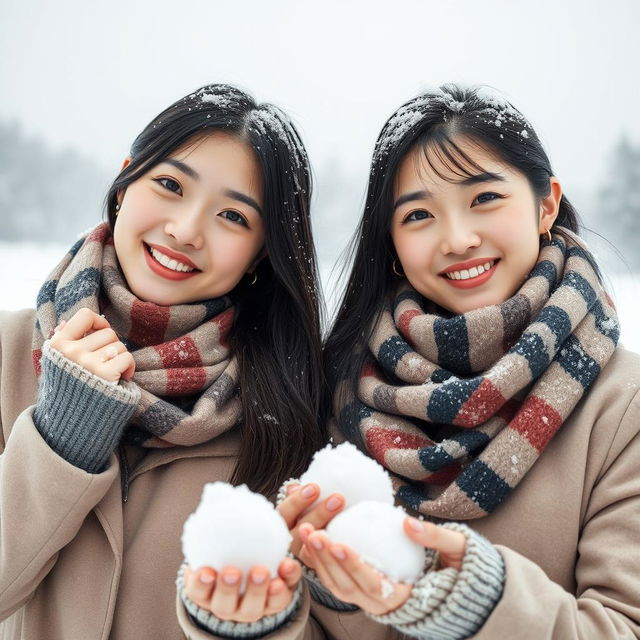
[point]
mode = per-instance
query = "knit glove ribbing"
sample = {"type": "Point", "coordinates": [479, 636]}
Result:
{"type": "Point", "coordinates": [80, 415]}
{"type": "Point", "coordinates": [450, 604]}
{"type": "Point", "coordinates": [229, 629]}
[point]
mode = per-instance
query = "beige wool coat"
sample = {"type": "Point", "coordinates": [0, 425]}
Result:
{"type": "Point", "coordinates": [78, 563]}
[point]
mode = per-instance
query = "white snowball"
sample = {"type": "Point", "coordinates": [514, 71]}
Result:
{"type": "Point", "coordinates": [232, 526]}
{"type": "Point", "coordinates": [374, 530]}
{"type": "Point", "coordinates": [346, 470]}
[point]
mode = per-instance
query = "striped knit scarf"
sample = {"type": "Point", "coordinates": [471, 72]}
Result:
{"type": "Point", "coordinates": [181, 352]}
{"type": "Point", "coordinates": [459, 408]}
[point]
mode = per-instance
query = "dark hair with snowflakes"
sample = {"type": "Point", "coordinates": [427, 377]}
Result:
{"type": "Point", "coordinates": [276, 335]}
{"type": "Point", "coordinates": [433, 122]}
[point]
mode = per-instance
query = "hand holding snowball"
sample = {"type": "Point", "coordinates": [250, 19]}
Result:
{"type": "Point", "coordinates": [343, 572]}
{"type": "Point", "coordinates": [220, 594]}
{"type": "Point", "coordinates": [235, 545]}
{"type": "Point", "coordinates": [295, 510]}
{"type": "Point", "coordinates": [337, 477]}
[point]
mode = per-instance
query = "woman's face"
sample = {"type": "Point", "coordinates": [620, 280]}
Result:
{"type": "Point", "coordinates": [468, 243]}
{"type": "Point", "coordinates": [191, 227]}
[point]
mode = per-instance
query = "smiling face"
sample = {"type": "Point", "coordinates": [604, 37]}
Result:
{"type": "Point", "coordinates": [466, 243]}
{"type": "Point", "coordinates": [191, 227]}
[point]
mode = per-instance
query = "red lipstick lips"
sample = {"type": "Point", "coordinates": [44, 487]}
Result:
{"type": "Point", "coordinates": [470, 283]}
{"type": "Point", "coordinates": [165, 272]}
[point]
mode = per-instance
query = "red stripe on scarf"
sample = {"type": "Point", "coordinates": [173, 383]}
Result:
{"type": "Point", "coordinates": [380, 441]}
{"type": "Point", "coordinates": [36, 356]}
{"type": "Point", "coordinates": [183, 366]}
{"type": "Point", "coordinates": [537, 421]}
{"type": "Point", "coordinates": [480, 406]}
{"type": "Point", "coordinates": [149, 323]}
{"type": "Point", "coordinates": [224, 321]}
{"type": "Point", "coordinates": [405, 320]}
{"type": "Point", "coordinates": [99, 234]}
{"type": "Point", "coordinates": [369, 369]}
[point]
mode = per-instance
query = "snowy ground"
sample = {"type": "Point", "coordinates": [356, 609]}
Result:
{"type": "Point", "coordinates": [25, 266]}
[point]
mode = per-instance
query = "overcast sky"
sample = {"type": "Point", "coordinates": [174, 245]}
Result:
{"type": "Point", "coordinates": [90, 75]}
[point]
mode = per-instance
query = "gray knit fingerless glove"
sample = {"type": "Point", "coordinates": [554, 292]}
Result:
{"type": "Point", "coordinates": [79, 415]}
{"type": "Point", "coordinates": [450, 604]}
{"type": "Point", "coordinates": [228, 629]}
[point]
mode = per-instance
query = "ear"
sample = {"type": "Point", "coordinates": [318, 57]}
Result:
{"type": "Point", "coordinates": [125, 163]}
{"type": "Point", "coordinates": [550, 206]}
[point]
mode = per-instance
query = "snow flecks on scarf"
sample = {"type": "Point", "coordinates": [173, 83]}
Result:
{"type": "Point", "coordinates": [502, 380]}
{"type": "Point", "coordinates": [181, 351]}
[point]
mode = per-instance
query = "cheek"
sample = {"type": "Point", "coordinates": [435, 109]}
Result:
{"type": "Point", "coordinates": [414, 250]}
{"type": "Point", "coordinates": [232, 253]}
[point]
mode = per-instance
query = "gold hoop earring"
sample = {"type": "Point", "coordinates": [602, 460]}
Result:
{"type": "Point", "coordinates": [255, 279]}
{"type": "Point", "coordinates": [395, 270]}
{"type": "Point", "coordinates": [549, 237]}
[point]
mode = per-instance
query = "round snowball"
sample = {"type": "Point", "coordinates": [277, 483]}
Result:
{"type": "Point", "coordinates": [232, 526]}
{"type": "Point", "coordinates": [374, 530]}
{"type": "Point", "coordinates": [345, 469]}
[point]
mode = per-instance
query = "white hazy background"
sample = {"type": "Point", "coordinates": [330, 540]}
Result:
{"type": "Point", "coordinates": [87, 77]}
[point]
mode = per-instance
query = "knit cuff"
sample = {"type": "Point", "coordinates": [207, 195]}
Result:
{"type": "Point", "coordinates": [79, 415]}
{"type": "Point", "coordinates": [322, 595]}
{"type": "Point", "coordinates": [450, 604]}
{"type": "Point", "coordinates": [229, 629]}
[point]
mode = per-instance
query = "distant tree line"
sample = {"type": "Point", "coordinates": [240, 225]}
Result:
{"type": "Point", "coordinates": [53, 196]}
{"type": "Point", "coordinates": [618, 202]}
{"type": "Point", "coordinates": [46, 195]}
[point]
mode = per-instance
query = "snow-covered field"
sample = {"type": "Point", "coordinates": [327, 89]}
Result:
{"type": "Point", "coordinates": [25, 266]}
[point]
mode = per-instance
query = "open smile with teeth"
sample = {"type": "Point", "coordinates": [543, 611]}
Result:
{"type": "Point", "coordinates": [170, 263]}
{"type": "Point", "coordinates": [473, 272]}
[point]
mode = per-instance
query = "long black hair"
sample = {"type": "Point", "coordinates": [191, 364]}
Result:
{"type": "Point", "coordinates": [432, 122]}
{"type": "Point", "coordinates": [276, 333]}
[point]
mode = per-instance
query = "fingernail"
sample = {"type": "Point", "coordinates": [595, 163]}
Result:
{"type": "Point", "coordinates": [316, 543]}
{"type": "Point", "coordinates": [333, 503]}
{"type": "Point", "coordinates": [416, 525]}
{"type": "Point", "coordinates": [308, 491]}
{"type": "Point", "coordinates": [230, 578]}
{"type": "Point", "coordinates": [58, 327]}
{"type": "Point", "coordinates": [259, 578]}
{"type": "Point", "coordinates": [292, 488]}
{"type": "Point", "coordinates": [338, 553]}
{"type": "Point", "coordinates": [206, 577]}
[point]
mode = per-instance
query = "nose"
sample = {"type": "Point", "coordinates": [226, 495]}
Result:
{"type": "Point", "coordinates": [458, 236]}
{"type": "Point", "coordinates": [186, 226]}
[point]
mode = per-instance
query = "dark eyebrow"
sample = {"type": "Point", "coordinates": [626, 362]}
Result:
{"type": "Point", "coordinates": [185, 168]}
{"type": "Point", "coordinates": [486, 176]}
{"type": "Point", "coordinates": [241, 197]}
{"type": "Point", "coordinates": [236, 195]}
{"type": "Point", "coordinates": [408, 197]}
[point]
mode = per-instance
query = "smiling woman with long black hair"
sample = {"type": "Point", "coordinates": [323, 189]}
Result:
{"type": "Point", "coordinates": [174, 345]}
{"type": "Point", "coordinates": [475, 356]}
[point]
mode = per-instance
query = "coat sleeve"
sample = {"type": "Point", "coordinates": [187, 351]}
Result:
{"type": "Point", "coordinates": [607, 599]}
{"type": "Point", "coordinates": [43, 502]}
